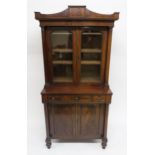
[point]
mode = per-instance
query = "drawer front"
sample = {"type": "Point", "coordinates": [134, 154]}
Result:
{"type": "Point", "coordinates": [75, 99]}
{"type": "Point", "coordinates": [99, 98]}
{"type": "Point", "coordinates": [64, 98]}
{"type": "Point", "coordinates": [85, 99]}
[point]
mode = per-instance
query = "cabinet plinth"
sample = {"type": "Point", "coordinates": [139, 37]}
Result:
{"type": "Point", "coordinates": [76, 51]}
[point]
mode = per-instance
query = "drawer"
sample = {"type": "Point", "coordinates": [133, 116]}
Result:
{"type": "Point", "coordinates": [85, 99]}
{"type": "Point", "coordinates": [75, 98]}
{"type": "Point", "coordinates": [98, 98]}
{"type": "Point", "coordinates": [71, 98]}
{"type": "Point", "coordinates": [78, 98]}
{"type": "Point", "coordinates": [64, 98]}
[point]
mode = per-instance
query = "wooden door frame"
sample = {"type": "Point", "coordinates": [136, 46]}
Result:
{"type": "Point", "coordinates": [104, 40]}
{"type": "Point", "coordinates": [76, 46]}
{"type": "Point", "coordinates": [48, 50]}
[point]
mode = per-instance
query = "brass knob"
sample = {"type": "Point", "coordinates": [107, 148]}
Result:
{"type": "Point", "coordinates": [76, 98]}
{"type": "Point", "coordinates": [53, 98]}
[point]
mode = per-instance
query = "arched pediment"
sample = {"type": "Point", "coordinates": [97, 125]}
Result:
{"type": "Point", "coordinates": [77, 13]}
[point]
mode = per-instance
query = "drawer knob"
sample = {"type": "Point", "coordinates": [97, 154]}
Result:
{"type": "Point", "coordinates": [53, 98]}
{"type": "Point", "coordinates": [76, 98]}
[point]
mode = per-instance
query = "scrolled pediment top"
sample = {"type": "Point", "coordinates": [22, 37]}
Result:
{"type": "Point", "coordinates": [77, 13]}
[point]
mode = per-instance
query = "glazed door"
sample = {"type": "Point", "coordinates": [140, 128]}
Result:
{"type": "Point", "coordinates": [76, 55]}
{"type": "Point", "coordinates": [91, 54]}
{"type": "Point", "coordinates": [61, 50]}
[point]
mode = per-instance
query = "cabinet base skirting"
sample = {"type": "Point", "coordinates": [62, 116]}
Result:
{"type": "Point", "coordinates": [49, 141]}
{"type": "Point", "coordinates": [79, 121]}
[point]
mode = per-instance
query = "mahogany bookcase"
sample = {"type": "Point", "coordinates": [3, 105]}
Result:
{"type": "Point", "coordinates": [76, 51]}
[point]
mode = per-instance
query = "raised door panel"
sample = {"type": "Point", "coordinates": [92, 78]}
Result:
{"type": "Point", "coordinates": [88, 124]}
{"type": "Point", "coordinates": [63, 121]}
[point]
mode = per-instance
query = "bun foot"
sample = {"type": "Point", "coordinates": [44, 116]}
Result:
{"type": "Point", "coordinates": [48, 142]}
{"type": "Point", "coordinates": [104, 143]}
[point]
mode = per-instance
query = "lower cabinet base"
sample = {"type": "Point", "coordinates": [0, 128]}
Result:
{"type": "Point", "coordinates": [76, 122]}
{"type": "Point", "coordinates": [49, 141]}
{"type": "Point", "coordinates": [76, 113]}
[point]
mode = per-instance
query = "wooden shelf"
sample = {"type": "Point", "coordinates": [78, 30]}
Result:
{"type": "Point", "coordinates": [90, 62]}
{"type": "Point", "coordinates": [62, 62]}
{"type": "Point", "coordinates": [91, 33]}
{"type": "Point", "coordinates": [89, 50]}
{"type": "Point", "coordinates": [62, 79]}
{"type": "Point", "coordinates": [61, 33]}
{"type": "Point", "coordinates": [63, 50]}
{"type": "Point", "coordinates": [90, 79]}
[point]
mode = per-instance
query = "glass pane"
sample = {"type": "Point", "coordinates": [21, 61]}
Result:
{"type": "Point", "coordinates": [62, 73]}
{"type": "Point", "coordinates": [62, 40]}
{"type": "Point", "coordinates": [91, 53]}
{"type": "Point", "coordinates": [62, 56]}
{"type": "Point", "coordinates": [91, 56]}
{"type": "Point", "coordinates": [91, 39]}
{"type": "Point", "coordinates": [90, 73]}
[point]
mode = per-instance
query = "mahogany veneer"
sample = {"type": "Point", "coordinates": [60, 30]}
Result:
{"type": "Point", "coordinates": [76, 52]}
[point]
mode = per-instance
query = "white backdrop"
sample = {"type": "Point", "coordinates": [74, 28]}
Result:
{"type": "Point", "coordinates": [117, 114]}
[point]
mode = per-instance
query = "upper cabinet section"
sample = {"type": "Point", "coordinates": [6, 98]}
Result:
{"type": "Point", "coordinates": [76, 45]}
{"type": "Point", "coordinates": [73, 14]}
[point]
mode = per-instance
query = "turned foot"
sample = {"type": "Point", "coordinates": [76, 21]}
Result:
{"type": "Point", "coordinates": [104, 143]}
{"type": "Point", "coordinates": [48, 142]}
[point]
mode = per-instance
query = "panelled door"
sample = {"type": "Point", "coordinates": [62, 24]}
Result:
{"type": "Point", "coordinates": [88, 125]}
{"type": "Point", "coordinates": [76, 121]}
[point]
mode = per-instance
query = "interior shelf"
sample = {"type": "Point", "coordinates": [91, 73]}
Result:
{"type": "Point", "coordinates": [61, 33]}
{"type": "Point", "coordinates": [91, 33]}
{"type": "Point", "coordinates": [63, 62]}
{"type": "Point", "coordinates": [63, 50]}
{"type": "Point", "coordinates": [62, 79]}
{"type": "Point", "coordinates": [91, 62]}
{"type": "Point", "coordinates": [90, 50]}
{"type": "Point", "coordinates": [90, 79]}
